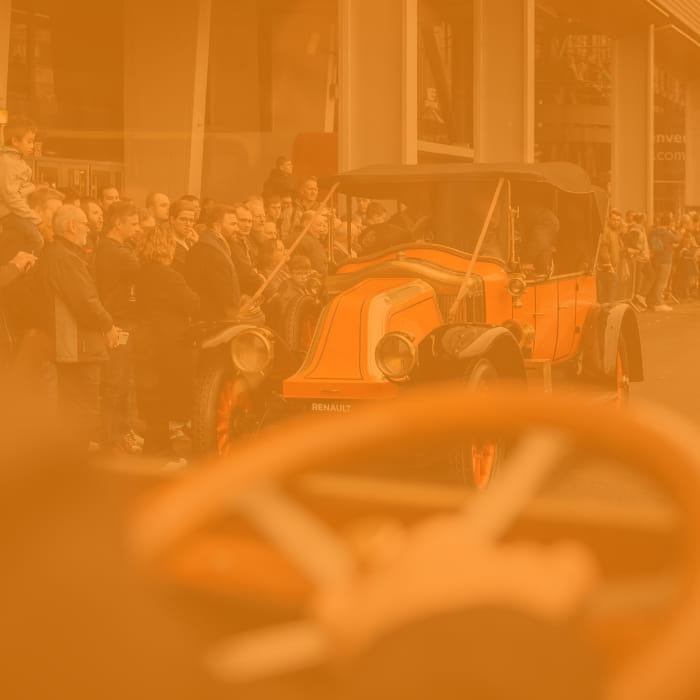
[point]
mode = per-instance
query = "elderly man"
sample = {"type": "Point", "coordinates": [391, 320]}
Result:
{"type": "Point", "coordinates": [79, 327]}
{"type": "Point", "coordinates": [243, 251]}
{"type": "Point", "coordinates": [306, 201]}
{"type": "Point", "coordinates": [312, 244]}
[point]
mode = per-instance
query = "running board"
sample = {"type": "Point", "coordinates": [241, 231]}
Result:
{"type": "Point", "coordinates": [539, 374]}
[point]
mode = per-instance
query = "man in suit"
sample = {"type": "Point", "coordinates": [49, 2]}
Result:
{"type": "Point", "coordinates": [209, 268]}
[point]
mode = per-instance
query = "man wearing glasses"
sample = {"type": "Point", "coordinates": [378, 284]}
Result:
{"type": "Point", "coordinates": [243, 253]}
{"type": "Point", "coordinates": [78, 326]}
{"type": "Point", "coordinates": [182, 221]}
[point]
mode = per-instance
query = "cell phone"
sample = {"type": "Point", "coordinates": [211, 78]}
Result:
{"type": "Point", "coordinates": [122, 337]}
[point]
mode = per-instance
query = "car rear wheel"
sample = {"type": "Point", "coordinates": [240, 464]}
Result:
{"type": "Point", "coordinates": [223, 409]}
{"type": "Point", "coordinates": [622, 374]}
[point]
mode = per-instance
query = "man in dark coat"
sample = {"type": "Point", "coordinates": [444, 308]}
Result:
{"type": "Point", "coordinates": [72, 315]}
{"type": "Point", "coordinates": [209, 269]}
{"type": "Point", "coordinates": [183, 217]}
{"type": "Point", "coordinates": [115, 273]}
{"type": "Point", "coordinates": [280, 181]}
{"type": "Point", "coordinates": [164, 361]}
{"type": "Point", "coordinates": [311, 244]}
{"type": "Point", "coordinates": [242, 251]}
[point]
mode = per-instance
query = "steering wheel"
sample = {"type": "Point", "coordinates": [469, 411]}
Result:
{"type": "Point", "coordinates": [546, 431]}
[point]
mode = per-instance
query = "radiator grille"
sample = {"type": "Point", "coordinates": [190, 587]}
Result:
{"type": "Point", "coordinates": [471, 309]}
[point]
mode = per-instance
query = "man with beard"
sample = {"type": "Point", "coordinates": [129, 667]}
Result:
{"type": "Point", "coordinates": [209, 269]}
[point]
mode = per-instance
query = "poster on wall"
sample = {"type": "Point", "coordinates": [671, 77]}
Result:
{"type": "Point", "coordinates": [669, 129]}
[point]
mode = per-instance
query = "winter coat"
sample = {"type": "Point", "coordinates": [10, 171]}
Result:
{"type": "Point", "coordinates": [115, 273]}
{"type": "Point", "coordinates": [241, 253]}
{"type": "Point", "coordinates": [661, 242]}
{"type": "Point", "coordinates": [315, 251]}
{"type": "Point", "coordinates": [15, 185]}
{"type": "Point", "coordinates": [69, 309]}
{"type": "Point", "coordinates": [278, 184]}
{"type": "Point", "coordinates": [163, 356]}
{"type": "Point", "coordinates": [210, 272]}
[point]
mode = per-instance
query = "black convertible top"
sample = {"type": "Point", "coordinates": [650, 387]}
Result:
{"type": "Point", "coordinates": [372, 180]}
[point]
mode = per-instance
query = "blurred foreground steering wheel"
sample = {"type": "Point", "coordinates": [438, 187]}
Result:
{"type": "Point", "coordinates": [546, 433]}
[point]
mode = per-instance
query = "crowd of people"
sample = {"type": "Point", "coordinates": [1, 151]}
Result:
{"type": "Point", "coordinates": [108, 289]}
{"type": "Point", "coordinates": [653, 266]}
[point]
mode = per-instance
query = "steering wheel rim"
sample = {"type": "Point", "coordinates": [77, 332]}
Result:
{"type": "Point", "coordinates": [668, 453]}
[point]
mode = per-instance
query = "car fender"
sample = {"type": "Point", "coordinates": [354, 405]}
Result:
{"type": "Point", "coordinates": [223, 335]}
{"type": "Point", "coordinates": [604, 327]}
{"type": "Point", "coordinates": [621, 321]}
{"type": "Point", "coordinates": [469, 343]}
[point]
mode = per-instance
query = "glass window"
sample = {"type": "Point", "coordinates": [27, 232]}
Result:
{"type": "Point", "coordinates": [445, 73]}
{"type": "Point", "coordinates": [573, 88]}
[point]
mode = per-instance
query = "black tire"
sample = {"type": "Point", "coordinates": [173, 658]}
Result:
{"type": "Point", "coordinates": [299, 321]}
{"type": "Point", "coordinates": [490, 453]}
{"type": "Point", "coordinates": [215, 380]}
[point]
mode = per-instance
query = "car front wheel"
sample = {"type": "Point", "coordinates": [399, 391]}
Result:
{"type": "Point", "coordinates": [478, 458]}
{"type": "Point", "coordinates": [223, 409]}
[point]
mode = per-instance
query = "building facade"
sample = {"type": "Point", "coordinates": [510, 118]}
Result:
{"type": "Point", "coordinates": [204, 99]}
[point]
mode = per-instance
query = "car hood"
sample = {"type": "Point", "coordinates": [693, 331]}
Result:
{"type": "Point", "coordinates": [341, 360]}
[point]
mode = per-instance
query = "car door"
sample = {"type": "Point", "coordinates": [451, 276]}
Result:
{"type": "Point", "coordinates": [567, 288]}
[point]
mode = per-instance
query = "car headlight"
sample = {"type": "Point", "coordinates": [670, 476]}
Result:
{"type": "Point", "coordinates": [516, 285]}
{"type": "Point", "coordinates": [314, 285]}
{"type": "Point", "coordinates": [396, 355]}
{"type": "Point", "coordinates": [252, 351]}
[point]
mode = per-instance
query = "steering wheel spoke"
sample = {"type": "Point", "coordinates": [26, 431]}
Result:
{"type": "Point", "coordinates": [313, 546]}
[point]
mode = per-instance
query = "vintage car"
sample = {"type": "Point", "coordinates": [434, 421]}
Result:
{"type": "Point", "coordinates": [480, 272]}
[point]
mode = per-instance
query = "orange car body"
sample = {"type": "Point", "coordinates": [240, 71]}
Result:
{"type": "Point", "coordinates": [340, 360]}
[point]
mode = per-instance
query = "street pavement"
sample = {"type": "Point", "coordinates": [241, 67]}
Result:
{"type": "Point", "coordinates": [671, 352]}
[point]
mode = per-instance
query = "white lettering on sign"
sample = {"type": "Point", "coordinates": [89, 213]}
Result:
{"type": "Point", "coordinates": [670, 155]}
{"type": "Point", "coordinates": [670, 138]}
{"type": "Point", "coordinates": [331, 407]}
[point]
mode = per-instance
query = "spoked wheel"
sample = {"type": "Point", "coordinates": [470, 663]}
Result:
{"type": "Point", "coordinates": [223, 408]}
{"type": "Point", "coordinates": [234, 412]}
{"type": "Point", "coordinates": [484, 455]}
{"type": "Point", "coordinates": [622, 375]}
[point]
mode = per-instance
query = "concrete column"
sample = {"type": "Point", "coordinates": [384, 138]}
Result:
{"type": "Point", "coordinates": [504, 84]}
{"type": "Point", "coordinates": [692, 143]}
{"type": "Point", "coordinates": [199, 101]}
{"type": "Point", "coordinates": [633, 121]}
{"type": "Point", "coordinates": [163, 102]}
{"type": "Point", "coordinates": [5, 15]}
{"type": "Point", "coordinates": [378, 48]}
